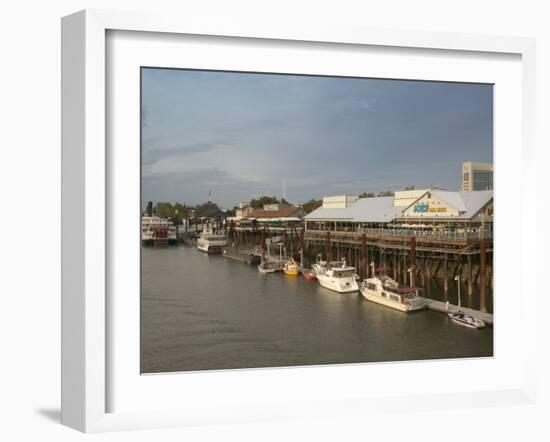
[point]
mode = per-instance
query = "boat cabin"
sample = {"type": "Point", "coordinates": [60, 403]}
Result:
{"type": "Point", "coordinates": [343, 272]}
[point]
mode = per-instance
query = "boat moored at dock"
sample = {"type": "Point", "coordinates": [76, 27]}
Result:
{"type": "Point", "coordinates": [386, 291]}
{"type": "Point", "coordinates": [211, 243]}
{"type": "Point", "coordinates": [157, 231]}
{"type": "Point", "coordinates": [340, 278]}
{"type": "Point", "coordinates": [291, 268]}
{"type": "Point", "coordinates": [466, 320]}
{"type": "Point", "coordinates": [271, 266]}
{"type": "Point", "coordinates": [459, 317]}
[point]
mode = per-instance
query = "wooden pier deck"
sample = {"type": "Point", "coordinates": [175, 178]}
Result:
{"type": "Point", "coordinates": [241, 255]}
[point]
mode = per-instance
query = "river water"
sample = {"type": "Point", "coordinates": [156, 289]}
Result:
{"type": "Point", "coordinates": [201, 312]}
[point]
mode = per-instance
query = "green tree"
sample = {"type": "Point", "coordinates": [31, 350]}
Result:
{"type": "Point", "coordinates": [164, 209]}
{"type": "Point", "coordinates": [386, 193]}
{"type": "Point", "coordinates": [258, 203]}
{"type": "Point", "coordinates": [206, 209]}
{"type": "Point", "coordinates": [182, 210]}
{"type": "Point", "coordinates": [367, 195]}
{"type": "Point", "coordinates": [311, 205]}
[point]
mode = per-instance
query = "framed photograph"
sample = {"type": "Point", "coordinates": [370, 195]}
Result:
{"type": "Point", "coordinates": [281, 223]}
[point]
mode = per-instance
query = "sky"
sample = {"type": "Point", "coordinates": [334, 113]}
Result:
{"type": "Point", "coordinates": [230, 137]}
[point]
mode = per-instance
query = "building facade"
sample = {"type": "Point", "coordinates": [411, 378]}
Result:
{"type": "Point", "coordinates": [426, 212]}
{"type": "Point", "coordinates": [476, 176]}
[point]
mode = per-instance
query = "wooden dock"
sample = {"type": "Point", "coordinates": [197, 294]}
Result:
{"type": "Point", "coordinates": [440, 306]}
{"type": "Point", "coordinates": [245, 256]}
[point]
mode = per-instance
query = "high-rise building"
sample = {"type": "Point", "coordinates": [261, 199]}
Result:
{"type": "Point", "coordinates": [476, 176]}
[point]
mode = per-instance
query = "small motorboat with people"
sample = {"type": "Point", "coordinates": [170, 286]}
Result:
{"type": "Point", "coordinates": [462, 318]}
{"type": "Point", "coordinates": [386, 291]}
{"type": "Point", "coordinates": [340, 278]}
{"type": "Point", "coordinates": [466, 320]}
{"type": "Point", "coordinates": [291, 268]}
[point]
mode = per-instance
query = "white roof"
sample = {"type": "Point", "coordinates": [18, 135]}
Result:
{"type": "Point", "coordinates": [475, 201]}
{"type": "Point", "coordinates": [363, 210]}
{"type": "Point", "coordinates": [453, 199]}
{"type": "Point", "coordinates": [467, 203]}
{"type": "Point", "coordinates": [379, 210]}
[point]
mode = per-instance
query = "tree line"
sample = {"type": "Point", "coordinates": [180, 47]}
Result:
{"type": "Point", "coordinates": [178, 211]}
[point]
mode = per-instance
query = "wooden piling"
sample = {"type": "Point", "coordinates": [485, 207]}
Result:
{"type": "Point", "coordinates": [413, 261]}
{"type": "Point", "coordinates": [425, 275]}
{"type": "Point", "coordinates": [329, 251]}
{"type": "Point", "coordinates": [483, 275]}
{"type": "Point", "coordinates": [470, 276]}
{"type": "Point", "coordinates": [262, 245]}
{"type": "Point", "coordinates": [365, 256]}
{"type": "Point", "coordinates": [302, 247]}
{"type": "Point", "coordinates": [404, 268]}
{"type": "Point", "coordinates": [398, 259]}
{"type": "Point", "coordinates": [445, 275]}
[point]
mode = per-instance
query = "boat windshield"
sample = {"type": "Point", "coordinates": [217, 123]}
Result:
{"type": "Point", "coordinates": [342, 273]}
{"type": "Point", "coordinates": [214, 237]}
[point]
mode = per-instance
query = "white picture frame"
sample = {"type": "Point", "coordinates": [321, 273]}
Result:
{"type": "Point", "coordinates": [86, 353]}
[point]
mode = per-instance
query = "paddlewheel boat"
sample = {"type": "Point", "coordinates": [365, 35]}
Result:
{"type": "Point", "coordinates": [211, 243]}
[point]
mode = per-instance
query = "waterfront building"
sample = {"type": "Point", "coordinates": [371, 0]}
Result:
{"type": "Point", "coordinates": [476, 176]}
{"type": "Point", "coordinates": [425, 212]}
{"type": "Point", "coordinates": [274, 212]}
{"type": "Point", "coordinates": [244, 210]}
{"type": "Point", "coordinates": [274, 216]}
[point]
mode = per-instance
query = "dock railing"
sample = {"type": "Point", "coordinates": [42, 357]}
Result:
{"type": "Point", "coordinates": [417, 233]}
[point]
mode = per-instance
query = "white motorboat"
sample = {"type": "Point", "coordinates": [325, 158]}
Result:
{"type": "Point", "coordinates": [266, 267]}
{"type": "Point", "coordinates": [340, 278]}
{"type": "Point", "coordinates": [466, 320]}
{"type": "Point", "coordinates": [321, 267]}
{"type": "Point", "coordinates": [211, 242]}
{"type": "Point", "coordinates": [386, 291]}
{"type": "Point", "coordinates": [462, 318]}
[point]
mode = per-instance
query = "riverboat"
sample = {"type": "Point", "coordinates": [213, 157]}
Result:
{"type": "Point", "coordinates": [386, 291]}
{"type": "Point", "coordinates": [157, 231]}
{"type": "Point", "coordinates": [340, 278]}
{"type": "Point", "coordinates": [211, 243]}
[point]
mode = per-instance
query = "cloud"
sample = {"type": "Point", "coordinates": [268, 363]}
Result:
{"type": "Point", "coordinates": [194, 186]}
{"type": "Point", "coordinates": [153, 151]}
{"type": "Point", "coordinates": [242, 134]}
